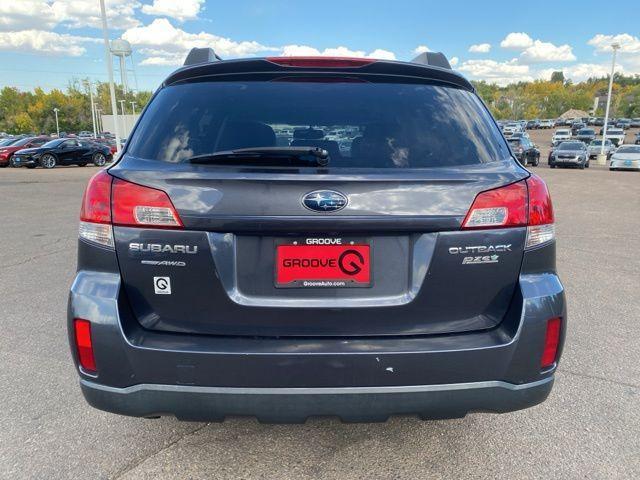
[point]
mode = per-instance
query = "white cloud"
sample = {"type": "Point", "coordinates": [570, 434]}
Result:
{"type": "Point", "coordinates": [501, 73]}
{"type": "Point", "coordinates": [480, 48]}
{"type": "Point", "coordinates": [421, 49]}
{"type": "Point", "coordinates": [382, 54]}
{"type": "Point", "coordinates": [517, 41]}
{"type": "Point", "coordinates": [164, 44]}
{"type": "Point", "coordinates": [25, 15]}
{"type": "Point", "coordinates": [299, 51]}
{"type": "Point", "coordinates": [181, 11]}
{"type": "Point", "coordinates": [537, 51]}
{"type": "Point", "coordinates": [628, 43]}
{"type": "Point", "coordinates": [541, 52]}
{"type": "Point", "coordinates": [453, 61]}
{"type": "Point", "coordinates": [16, 15]}
{"type": "Point", "coordinates": [307, 51]}
{"type": "Point", "coordinates": [41, 42]}
{"type": "Point", "coordinates": [86, 13]}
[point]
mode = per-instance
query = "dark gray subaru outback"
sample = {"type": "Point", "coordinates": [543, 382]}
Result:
{"type": "Point", "coordinates": [293, 237]}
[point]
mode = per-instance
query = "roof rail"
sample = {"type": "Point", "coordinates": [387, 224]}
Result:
{"type": "Point", "coordinates": [201, 55]}
{"type": "Point", "coordinates": [435, 59]}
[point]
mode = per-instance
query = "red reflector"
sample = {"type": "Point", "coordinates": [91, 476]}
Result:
{"type": "Point", "coordinates": [135, 205]}
{"type": "Point", "coordinates": [83, 344]}
{"type": "Point", "coordinates": [322, 62]}
{"type": "Point", "coordinates": [499, 208]}
{"type": "Point", "coordinates": [540, 207]}
{"type": "Point", "coordinates": [96, 201]}
{"type": "Point", "coordinates": [551, 342]}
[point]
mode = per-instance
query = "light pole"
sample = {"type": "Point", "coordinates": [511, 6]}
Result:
{"type": "Point", "coordinates": [93, 110]}
{"type": "Point", "coordinates": [107, 57]}
{"type": "Point", "coordinates": [124, 116]}
{"type": "Point", "coordinates": [55, 110]}
{"type": "Point", "coordinates": [99, 118]}
{"type": "Point", "coordinates": [602, 158]}
{"type": "Point", "coordinates": [133, 107]}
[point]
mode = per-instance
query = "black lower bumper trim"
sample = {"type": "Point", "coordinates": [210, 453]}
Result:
{"type": "Point", "coordinates": [295, 405]}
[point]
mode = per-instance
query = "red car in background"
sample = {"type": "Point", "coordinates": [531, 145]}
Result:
{"type": "Point", "coordinates": [109, 142]}
{"type": "Point", "coordinates": [28, 142]}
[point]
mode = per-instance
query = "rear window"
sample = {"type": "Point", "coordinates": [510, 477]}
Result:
{"type": "Point", "coordinates": [360, 124]}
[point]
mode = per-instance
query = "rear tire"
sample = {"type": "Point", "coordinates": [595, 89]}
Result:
{"type": "Point", "coordinates": [99, 159]}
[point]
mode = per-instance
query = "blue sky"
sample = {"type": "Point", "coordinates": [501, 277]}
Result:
{"type": "Point", "coordinates": [48, 42]}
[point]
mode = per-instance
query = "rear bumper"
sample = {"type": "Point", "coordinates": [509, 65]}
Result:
{"type": "Point", "coordinates": [208, 377]}
{"type": "Point", "coordinates": [295, 405]}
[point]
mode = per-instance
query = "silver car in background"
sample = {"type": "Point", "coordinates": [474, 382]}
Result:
{"type": "Point", "coordinates": [627, 157]}
{"type": "Point", "coordinates": [595, 147]}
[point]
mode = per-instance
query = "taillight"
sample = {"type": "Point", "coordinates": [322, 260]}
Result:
{"type": "Point", "coordinates": [551, 342]}
{"type": "Point", "coordinates": [95, 214]}
{"type": "Point", "coordinates": [135, 205]}
{"type": "Point", "coordinates": [541, 228]}
{"type": "Point", "coordinates": [525, 203]}
{"type": "Point", "coordinates": [499, 208]}
{"type": "Point", "coordinates": [84, 345]}
{"type": "Point", "coordinates": [322, 62]}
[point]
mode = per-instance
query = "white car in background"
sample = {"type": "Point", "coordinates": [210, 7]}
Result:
{"type": "Point", "coordinates": [561, 135]}
{"type": "Point", "coordinates": [616, 135]}
{"type": "Point", "coordinates": [546, 124]}
{"type": "Point", "coordinates": [511, 128]}
{"type": "Point", "coordinates": [627, 157]}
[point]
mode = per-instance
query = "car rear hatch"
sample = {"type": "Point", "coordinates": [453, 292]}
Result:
{"type": "Point", "coordinates": [279, 245]}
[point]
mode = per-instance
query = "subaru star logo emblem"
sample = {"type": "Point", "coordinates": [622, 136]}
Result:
{"type": "Point", "coordinates": [324, 201]}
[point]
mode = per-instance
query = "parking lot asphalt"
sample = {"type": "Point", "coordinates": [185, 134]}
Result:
{"type": "Point", "coordinates": [588, 428]}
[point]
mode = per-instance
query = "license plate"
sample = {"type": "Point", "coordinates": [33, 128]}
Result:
{"type": "Point", "coordinates": [303, 265]}
{"type": "Point", "coordinates": [627, 163]}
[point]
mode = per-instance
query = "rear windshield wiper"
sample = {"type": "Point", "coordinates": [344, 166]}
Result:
{"type": "Point", "coordinates": [270, 156]}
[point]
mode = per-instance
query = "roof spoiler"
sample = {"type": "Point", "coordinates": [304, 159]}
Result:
{"type": "Point", "coordinates": [201, 55]}
{"type": "Point", "coordinates": [434, 59]}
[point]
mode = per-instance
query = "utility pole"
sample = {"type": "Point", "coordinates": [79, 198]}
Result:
{"type": "Point", "coordinates": [55, 110]}
{"type": "Point", "coordinates": [112, 90]}
{"type": "Point", "coordinates": [93, 110]}
{"type": "Point", "coordinates": [133, 107]}
{"type": "Point", "coordinates": [602, 158]}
